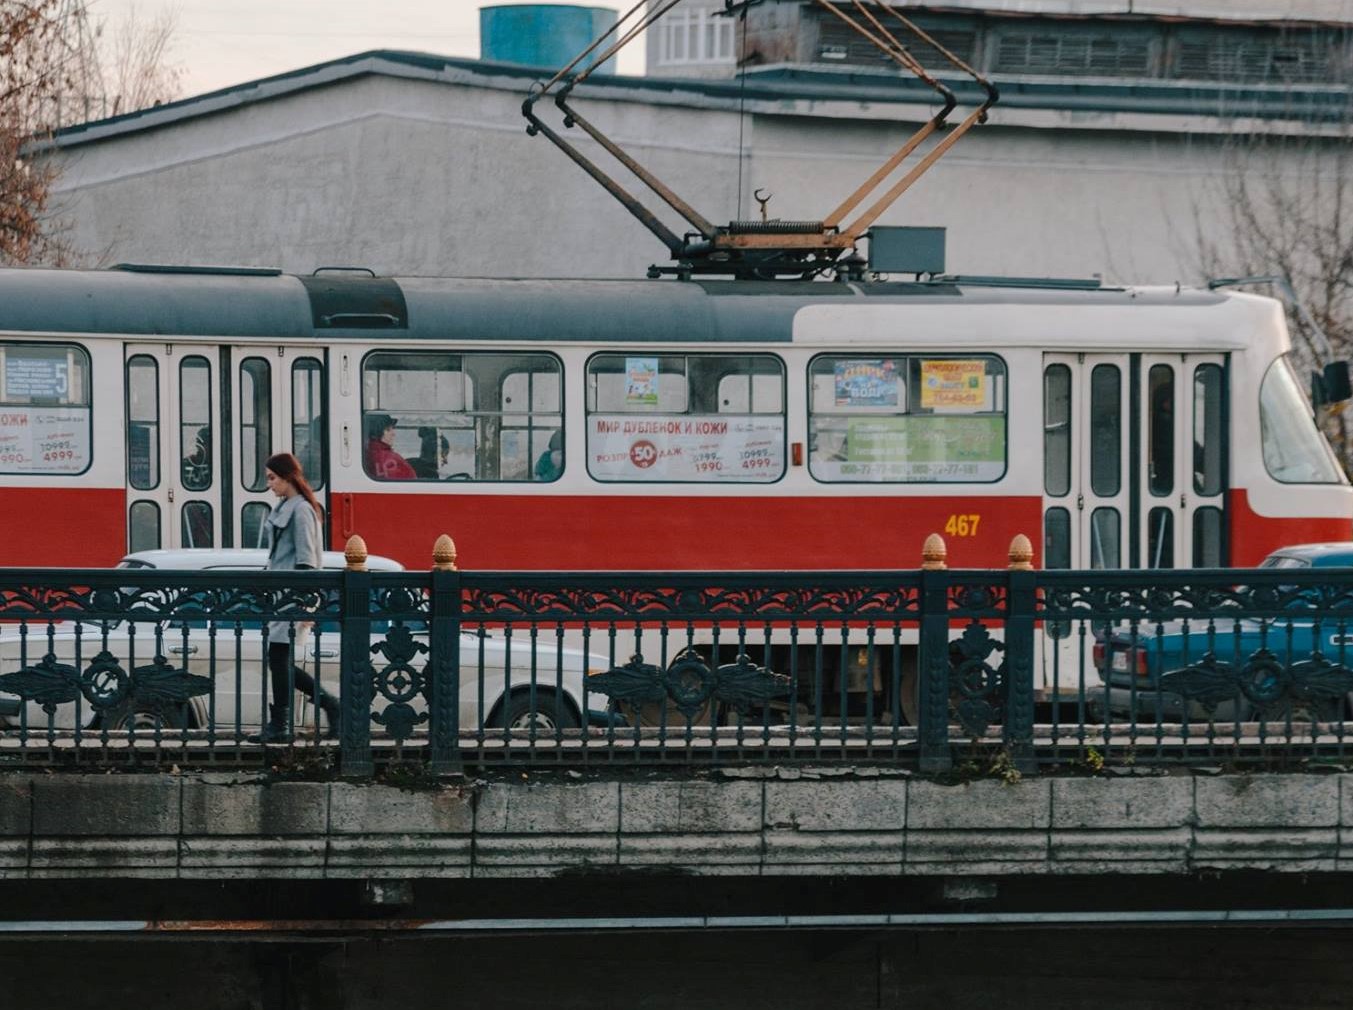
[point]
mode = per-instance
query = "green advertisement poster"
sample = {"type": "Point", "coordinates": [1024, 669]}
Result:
{"type": "Point", "coordinates": [925, 447]}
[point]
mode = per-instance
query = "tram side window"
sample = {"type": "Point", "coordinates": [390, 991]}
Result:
{"type": "Point", "coordinates": [252, 517]}
{"type": "Point", "coordinates": [907, 418]}
{"type": "Point", "coordinates": [1207, 430]}
{"type": "Point", "coordinates": [307, 418]}
{"type": "Point", "coordinates": [1207, 538]}
{"type": "Point", "coordinates": [45, 424]}
{"type": "Point", "coordinates": [686, 417]}
{"type": "Point", "coordinates": [485, 416]}
{"type": "Point", "coordinates": [255, 423]}
{"type": "Point", "coordinates": [1106, 432]}
{"type": "Point", "coordinates": [1160, 432]}
{"type": "Point", "coordinates": [1057, 430]}
{"type": "Point", "coordinates": [195, 438]}
{"type": "Point", "coordinates": [143, 422]}
{"type": "Point", "coordinates": [143, 526]}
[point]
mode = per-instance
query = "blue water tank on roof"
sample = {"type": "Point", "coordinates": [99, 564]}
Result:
{"type": "Point", "coordinates": [542, 35]}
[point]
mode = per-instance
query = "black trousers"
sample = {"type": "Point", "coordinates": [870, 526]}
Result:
{"type": "Point", "coordinates": [279, 656]}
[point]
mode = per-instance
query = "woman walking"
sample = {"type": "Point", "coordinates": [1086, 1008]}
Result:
{"type": "Point", "coordinates": [293, 540]}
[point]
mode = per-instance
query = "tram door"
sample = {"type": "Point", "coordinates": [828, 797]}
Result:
{"type": "Point", "coordinates": [1134, 449]}
{"type": "Point", "coordinates": [279, 398]}
{"type": "Point", "coordinates": [174, 478]}
{"type": "Point", "coordinates": [1133, 461]}
{"type": "Point", "coordinates": [201, 421]}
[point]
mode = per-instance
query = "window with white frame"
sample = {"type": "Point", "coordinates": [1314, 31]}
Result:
{"type": "Point", "coordinates": [694, 35]}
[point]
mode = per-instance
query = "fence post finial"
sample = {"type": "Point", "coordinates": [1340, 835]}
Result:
{"type": "Point", "coordinates": [444, 554]}
{"type": "Point", "coordinates": [354, 552]}
{"type": "Point", "coordinates": [1021, 554]}
{"type": "Point", "coordinates": [933, 554]}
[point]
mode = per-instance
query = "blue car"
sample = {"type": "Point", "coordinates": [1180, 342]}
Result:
{"type": "Point", "coordinates": [1297, 668]}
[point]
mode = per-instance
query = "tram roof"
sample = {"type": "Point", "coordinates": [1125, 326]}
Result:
{"type": "Point", "coordinates": [266, 304]}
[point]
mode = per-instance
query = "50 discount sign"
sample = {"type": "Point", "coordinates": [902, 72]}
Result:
{"type": "Point", "coordinates": [745, 448]}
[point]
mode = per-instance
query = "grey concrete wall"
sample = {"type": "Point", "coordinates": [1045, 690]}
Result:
{"type": "Point", "coordinates": [866, 822]}
{"type": "Point", "coordinates": [411, 176]}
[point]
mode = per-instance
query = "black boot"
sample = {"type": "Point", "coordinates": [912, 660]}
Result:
{"type": "Point", "coordinates": [275, 730]}
{"type": "Point", "coordinates": [332, 714]}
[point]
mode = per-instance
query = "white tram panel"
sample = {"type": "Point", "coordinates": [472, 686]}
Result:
{"type": "Point", "coordinates": [100, 442]}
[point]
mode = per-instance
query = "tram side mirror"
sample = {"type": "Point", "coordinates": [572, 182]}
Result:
{"type": "Point", "coordinates": [1331, 385]}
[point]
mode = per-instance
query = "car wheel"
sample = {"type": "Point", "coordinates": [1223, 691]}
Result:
{"type": "Point", "coordinates": [545, 717]}
{"type": "Point", "coordinates": [145, 718]}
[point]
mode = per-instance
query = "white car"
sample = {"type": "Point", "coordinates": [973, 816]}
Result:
{"type": "Point", "coordinates": [230, 658]}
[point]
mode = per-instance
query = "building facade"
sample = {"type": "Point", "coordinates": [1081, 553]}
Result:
{"type": "Point", "coordinates": [412, 164]}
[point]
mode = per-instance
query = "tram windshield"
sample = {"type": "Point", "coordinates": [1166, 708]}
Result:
{"type": "Point", "coordinates": [1294, 450]}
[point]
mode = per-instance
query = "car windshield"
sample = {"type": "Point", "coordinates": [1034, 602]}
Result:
{"type": "Point", "coordinates": [1294, 450]}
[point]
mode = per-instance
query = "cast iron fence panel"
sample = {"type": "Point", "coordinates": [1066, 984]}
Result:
{"type": "Point", "coordinates": [918, 668]}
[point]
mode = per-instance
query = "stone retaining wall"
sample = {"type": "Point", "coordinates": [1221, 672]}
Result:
{"type": "Point", "coordinates": [870, 822]}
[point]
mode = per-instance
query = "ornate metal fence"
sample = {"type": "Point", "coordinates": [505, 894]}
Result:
{"type": "Point", "coordinates": [994, 670]}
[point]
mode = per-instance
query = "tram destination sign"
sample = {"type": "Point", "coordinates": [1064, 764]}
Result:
{"type": "Point", "coordinates": [36, 378]}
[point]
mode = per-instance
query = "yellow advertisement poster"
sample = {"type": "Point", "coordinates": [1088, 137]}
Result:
{"type": "Point", "coordinates": [953, 382]}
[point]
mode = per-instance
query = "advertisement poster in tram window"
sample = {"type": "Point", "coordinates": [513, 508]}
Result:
{"type": "Point", "coordinates": [44, 439]}
{"type": "Point", "coordinates": [953, 383]}
{"type": "Point", "coordinates": [641, 382]}
{"type": "Point", "coordinates": [867, 383]}
{"type": "Point", "coordinates": [681, 448]}
{"type": "Point", "coordinates": [920, 448]}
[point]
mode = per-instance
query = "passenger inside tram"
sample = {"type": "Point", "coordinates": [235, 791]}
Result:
{"type": "Point", "coordinates": [551, 462]}
{"type": "Point", "coordinates": [431, 458]}
{"type": "Point", "coordinates": [382, 462]}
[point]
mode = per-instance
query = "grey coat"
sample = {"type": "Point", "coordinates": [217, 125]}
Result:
{"type": "Point", "coordinates": [293, 542]}
{"type": "Point", "coordinates": [293, 535]}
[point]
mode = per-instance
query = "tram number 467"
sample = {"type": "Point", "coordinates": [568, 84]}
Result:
{"type": "Point", "coordinates": [962, 525]}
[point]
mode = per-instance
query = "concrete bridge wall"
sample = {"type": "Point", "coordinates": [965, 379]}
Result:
{"type": "Point", "coordinates": [866, 822]}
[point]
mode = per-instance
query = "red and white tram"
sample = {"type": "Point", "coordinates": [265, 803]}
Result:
{"type": "Point", "coordinates": [572, 425]}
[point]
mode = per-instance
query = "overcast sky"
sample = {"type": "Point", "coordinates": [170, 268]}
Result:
{"type": "Point", "coordinates": [224, 42]}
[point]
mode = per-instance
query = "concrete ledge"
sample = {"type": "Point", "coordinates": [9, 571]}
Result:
{"type": "Point", "coordinates": [549, 808]}
{"type": "Point", "coordinates": [957, 848]}
{"type": "Point", "coordinates": [110, 856]}
{"type": "Point", "coordinates": [430, 854]}
{"type": "Point", "coordinates": [690, 807]}
{"type": "Point", "coordinates": [106, 805]}
{"type": "Point", "coordinates": [210, 826]}
{"type": "Point", "coordinates": [371, 809]}
{"type": "Point", "coordinates": [984, 805]}
{"type": "Point", "coordinates": [560, 851]}
{"type": "Point", "coordinates": [1146, 844]}
{"type": "Point", "coordinates": [840, 849]}
{"type": "Point", "coordinates": [1147, 802]}
{"type": "Point", "coordinates": [14, 855]}
{"type": "Point", "coordinates": [691, 850]}
{"type": "Point", "coordinates": [816, 805]}
{"type": "Point", "coordinates": [16, 805]}
{"type": "Point", "coordinates": [237, 807]}
{"type": "Point", "coordinates": [1253, 801]}
{"type": "Point", "coordinates": [231, 853]}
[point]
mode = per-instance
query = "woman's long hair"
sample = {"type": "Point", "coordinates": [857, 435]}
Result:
{"type": "Point", "coordinates": [288, 467]}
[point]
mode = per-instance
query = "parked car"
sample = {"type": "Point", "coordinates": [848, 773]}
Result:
{"type": "Point", "coordinates": [229, 654]}
{"type": "Point", "coordinates": [1271, 668]}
